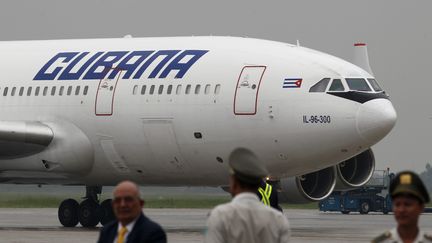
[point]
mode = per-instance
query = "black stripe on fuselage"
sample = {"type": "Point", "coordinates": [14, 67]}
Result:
{"type": "Point", "coordinates": [360, 97]}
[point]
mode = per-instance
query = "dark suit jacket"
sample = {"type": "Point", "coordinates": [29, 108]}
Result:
{"type": "Point", "coordinates": [144, 231]}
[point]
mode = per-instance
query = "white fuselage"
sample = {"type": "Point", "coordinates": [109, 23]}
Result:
{"type": "Point", "coordinates": [182, 136]}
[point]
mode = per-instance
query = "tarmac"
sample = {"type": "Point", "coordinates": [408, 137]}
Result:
{"type": "Point", "coordinates": [188, 226]}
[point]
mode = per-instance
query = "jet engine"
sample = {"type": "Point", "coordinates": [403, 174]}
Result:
{"type": "Point", "coordinates": [52, 149]}
{"type": "Point", "coordinates": [309, 187]}
{"type": "Point", "coordinates": [356, 171]}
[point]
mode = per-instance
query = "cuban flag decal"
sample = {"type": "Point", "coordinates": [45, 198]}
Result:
{"type": "Point", "coordinates": [292, 83]}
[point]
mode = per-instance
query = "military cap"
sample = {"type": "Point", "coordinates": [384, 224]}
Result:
{"type": "Point", "coordinates": [408, 182]}
{"type": "Point", "coordinates": [245, 166]}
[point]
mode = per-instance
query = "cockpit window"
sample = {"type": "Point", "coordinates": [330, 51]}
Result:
{"type": "Point", "coordinates": [358, 84]}
{"type": "Point", "coordinates": [374, 84]}
{"type": "Point", "coordinates": [320, 86]}
{"type": "Point", "coordinates": [336, 85]}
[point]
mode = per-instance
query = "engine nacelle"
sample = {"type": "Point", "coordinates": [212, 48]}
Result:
{"type": "Point", "coordinates": [311, 187]}
{"type": "Point", "coordinates": [355, 172]}
{"type": "Point", "coordinates": [64, 150]}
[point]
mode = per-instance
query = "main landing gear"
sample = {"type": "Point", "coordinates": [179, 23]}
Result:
{"type": "Point", "coordinates": [89, 212]}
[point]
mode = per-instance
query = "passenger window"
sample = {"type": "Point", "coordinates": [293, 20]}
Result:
{"type": "Point", "coordinates": [197, 89]}
{"type": "Point", "coordinates": [85, 90]}
{"type": "Point", "coordinates": [207, 89]}
{"type": "Point", "coordinates": [5, 91]}
{"type": "Point", "coordinates": [77, 90]}
{"type": "Point", "coordinates": [37, 91]}
{"type": "Point", "coordinates": [21, 91]}
{"type": "Point", "coordinates": [143, 89]}
{"type": "Point", "coordinates": [375, 84]}
{"type": "Point", "coordinates": [152, 88]}
{"type": "Point", "coordinates": [61, 90]}
{"type": "Point", "coordinates": [53, 89]}
{"type": "Point", "coordinates": [45, 91]}
{"type": "Point", "coordinates": [188, 89]}
{"type": "Point", "coordinates": [169, 89]}
{"type": "Point", "coordinates": [29, 90]}
{"type": "Point", "coordinates": [178, 90]}
{"type": "Point", "coordinates": [160, 91]}
{"type": "Point", "coordinates": [69, 91]}
{"type": "Point", "coordinates": [135, 90]}
{"type": "Point", "coordinates": [321, 86]}
{"type": "Point", "coordinates": [336, 85]}
{"type": "Point", "coordinates": [217, 89]}
{"type": "Point", "coordinates": [358, 84]}
{"type": "Point", "coordinates": [13, 91]}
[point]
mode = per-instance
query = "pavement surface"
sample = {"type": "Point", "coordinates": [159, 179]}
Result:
{"type": "Point", "coordinates": [188, 226]}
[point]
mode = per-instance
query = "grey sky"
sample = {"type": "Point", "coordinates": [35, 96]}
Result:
{"type": "Point", "coordinates": [398, 34]}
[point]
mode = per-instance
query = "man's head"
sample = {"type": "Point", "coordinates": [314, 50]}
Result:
{"type": "Point", "coordinates": [409, 196]}
{"type": "Point", "coordinates": [127, 204]}
{"type": "Point", "coordinates": [246, 170]}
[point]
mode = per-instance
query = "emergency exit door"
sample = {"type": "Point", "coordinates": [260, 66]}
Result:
{"type": "Point", "coordinates": [105, 94]}
{"type": "Point", "coordinates": [246, 95]}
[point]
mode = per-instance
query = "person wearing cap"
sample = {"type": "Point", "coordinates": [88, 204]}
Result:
{"type": "Point", "coordinates": [409, 196]}
{"type": "Point", "coordinates": [245, 219]}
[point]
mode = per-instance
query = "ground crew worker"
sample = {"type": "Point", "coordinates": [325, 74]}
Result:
{"type": "Point", "coordinates": [245, 219]}
{"type": "Point", "coordinates": [268, 195]}
{"type": "Point", "coordinates": [409, 196]}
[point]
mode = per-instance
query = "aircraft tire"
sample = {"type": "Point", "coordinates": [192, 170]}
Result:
{"type": "Point", "coordinates": [68, 213]}
{"type": "Point", "coordinates": [88, 213]}
{"type": "Point", "coordinates": [107, 213]}
{"type": "Point", "coordinates": [364, 207]}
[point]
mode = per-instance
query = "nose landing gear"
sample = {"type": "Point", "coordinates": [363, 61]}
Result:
{"type": "Point", "coordinates": [88, 213]}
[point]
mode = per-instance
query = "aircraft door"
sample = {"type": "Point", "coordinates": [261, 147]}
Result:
{"type": "Point", "coordinates": [105, 94]}
{"type": "Point", "coordinates": [246, 95]}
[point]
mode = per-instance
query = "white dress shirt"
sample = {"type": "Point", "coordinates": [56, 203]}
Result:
{"type": "Point", "coordinates": [129, 228]}
{"type": "Point", "coordinates": [246, 220]}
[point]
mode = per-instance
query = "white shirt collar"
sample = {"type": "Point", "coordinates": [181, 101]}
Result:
{"type": "Point", "coordinates": [129, 228]}
{"type": "Point", "coordinates": [245, 196]}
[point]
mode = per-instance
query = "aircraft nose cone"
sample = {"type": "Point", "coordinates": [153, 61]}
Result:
{"type": "Point", "coordinates": [375, 119]}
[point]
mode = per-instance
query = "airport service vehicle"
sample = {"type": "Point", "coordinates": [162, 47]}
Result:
{"type": "Point", "coordinates": [169, 111]}
{"type": "Point", "coordinates": [372, 197]}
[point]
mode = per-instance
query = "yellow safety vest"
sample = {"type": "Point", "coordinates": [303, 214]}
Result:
{"type": "Point", "coordinates": [265, 194]}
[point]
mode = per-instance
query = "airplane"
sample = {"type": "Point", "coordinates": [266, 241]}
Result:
{"type": "Point", "coordinates": [169, 111]}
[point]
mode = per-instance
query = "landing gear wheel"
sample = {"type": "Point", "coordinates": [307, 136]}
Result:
{"type": "Point", "coordinates": [68, 213]}
{"type": "Point", "coordinates": [88, 213]}
{"type": "Point", "coordinates": [364, 208]}
{"type": "Point", "coordinates": [345, 212]}
{"type": "Point", "coordinates": [107, 213]}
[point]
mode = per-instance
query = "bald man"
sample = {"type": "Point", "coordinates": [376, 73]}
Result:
{"type": "Point", "coordinates": [131, 226]}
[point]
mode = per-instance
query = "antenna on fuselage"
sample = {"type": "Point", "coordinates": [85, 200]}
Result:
{"type": "Point", "coordinates": [361, 57]}
{"type": "Point", "coordinates": [298, 43]}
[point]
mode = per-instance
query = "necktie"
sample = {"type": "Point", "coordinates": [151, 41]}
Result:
{"type": "Point", "coordinates": [121, 235]}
